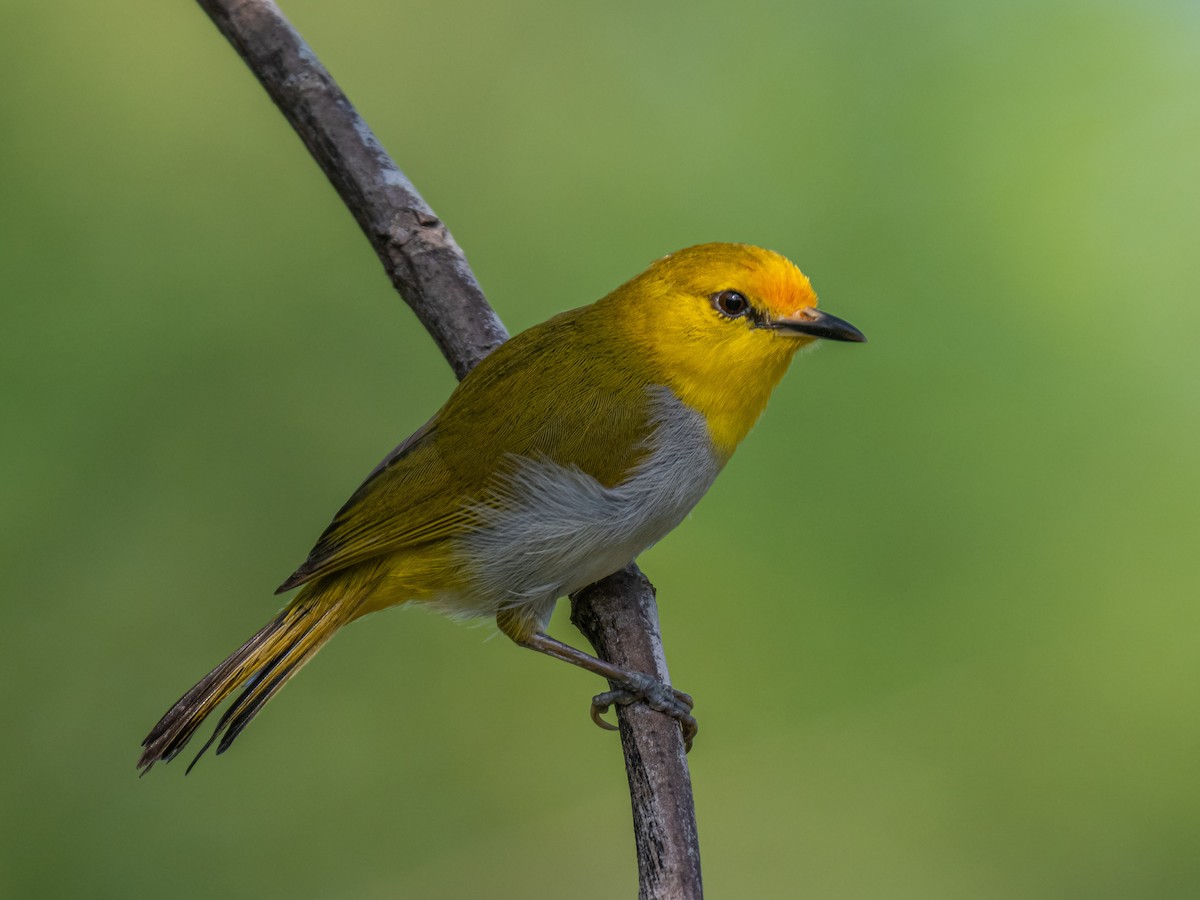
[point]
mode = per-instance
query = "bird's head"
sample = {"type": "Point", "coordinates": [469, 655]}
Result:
{"type": "Point", "coordinates": [721, 322]}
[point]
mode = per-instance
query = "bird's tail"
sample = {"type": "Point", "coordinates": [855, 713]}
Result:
{"type": "Point", "coordinates": [263, 665]}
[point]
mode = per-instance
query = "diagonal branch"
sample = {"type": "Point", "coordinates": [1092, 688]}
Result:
{"type": "Point", "coordinates": [416, 249]}
{"type": "Point", "coordinates": [618, 615]}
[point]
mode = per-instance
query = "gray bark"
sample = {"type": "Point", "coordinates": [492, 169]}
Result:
{"type": "Point", "coordinates": [617, 615]}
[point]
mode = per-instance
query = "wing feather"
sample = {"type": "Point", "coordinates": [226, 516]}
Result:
{"type": "Point", "coordinates": [554, 391]}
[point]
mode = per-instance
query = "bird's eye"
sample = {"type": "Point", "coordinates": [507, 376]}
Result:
{"type": "Point", "coordinates": [731, 303]}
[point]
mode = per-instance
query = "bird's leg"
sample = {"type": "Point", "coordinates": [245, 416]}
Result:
{"type": "Point", "coordinates": [628, 686]}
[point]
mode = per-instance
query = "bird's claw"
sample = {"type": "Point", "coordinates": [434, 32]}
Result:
{"type": "Point", "coordinates": [658, 696]}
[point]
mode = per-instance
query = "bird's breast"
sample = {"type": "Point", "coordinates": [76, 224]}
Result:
{"type": "Point", "coordinates": [548, 529]}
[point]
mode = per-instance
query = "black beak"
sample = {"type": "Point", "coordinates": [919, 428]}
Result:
{"type": "Point", "coordinates": [814, 323]}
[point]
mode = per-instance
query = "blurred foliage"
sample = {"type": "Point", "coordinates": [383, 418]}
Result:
{"type": "Point", "coordinates": [940, 614]}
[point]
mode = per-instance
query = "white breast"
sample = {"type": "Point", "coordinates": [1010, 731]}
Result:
{"type": "Point", "coordinates": [564, 530]}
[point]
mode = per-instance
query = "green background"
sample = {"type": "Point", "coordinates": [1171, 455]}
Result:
{"type": "Point", "coordinates": [940, 614]}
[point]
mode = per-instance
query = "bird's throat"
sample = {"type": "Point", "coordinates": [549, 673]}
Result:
{"type": "Point", "coordinates": [731, 407]}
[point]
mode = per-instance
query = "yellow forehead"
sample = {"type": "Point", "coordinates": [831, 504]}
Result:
{"type": "Point", "coordinates": [769, 280]}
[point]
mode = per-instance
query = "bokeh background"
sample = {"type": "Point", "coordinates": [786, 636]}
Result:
{"type": "Point", "coordinates": [940, 614]}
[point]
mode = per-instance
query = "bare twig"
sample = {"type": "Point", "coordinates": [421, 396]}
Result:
{"type": "Point", "coordinates": [618, 615]}
{"type": "Point", "coordinates": [419, 255]}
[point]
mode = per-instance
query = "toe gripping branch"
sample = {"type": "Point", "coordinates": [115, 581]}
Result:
{"type": "Point", "coordinates": [627, 687]}
{"type": "Point", "coordinates": [658, 696]}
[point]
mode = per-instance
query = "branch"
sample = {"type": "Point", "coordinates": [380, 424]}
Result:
{"type": "Point", "coordinates": [617, 615]}
{"type": "Point", "coordinates": [416, 249]}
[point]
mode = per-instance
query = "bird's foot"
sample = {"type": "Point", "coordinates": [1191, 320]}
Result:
{"type": "Point", "coordinates": [641, 688]}
{"type": "Point", "coordinates": [627, 686]}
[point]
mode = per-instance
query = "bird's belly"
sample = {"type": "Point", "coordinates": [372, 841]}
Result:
{"type": "Point", "coordinates": [560, 529]}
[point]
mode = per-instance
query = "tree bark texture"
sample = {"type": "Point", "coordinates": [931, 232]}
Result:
{"type": "Point", "coordinates": [617, 615]}
{"type": "Point", "coordinates": [416, 249]}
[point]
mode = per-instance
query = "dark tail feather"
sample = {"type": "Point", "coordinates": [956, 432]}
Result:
{"type": "Point", "coordinates": [263, 664]}
{"type": "Point", "coordinates": [263, 685]}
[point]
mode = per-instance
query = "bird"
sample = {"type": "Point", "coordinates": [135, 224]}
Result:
{"type": "Point", "coordinates": [555, 462]}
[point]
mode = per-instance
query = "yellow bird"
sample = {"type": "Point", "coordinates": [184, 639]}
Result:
{"type": "Point", "coordinates": [563, 455]}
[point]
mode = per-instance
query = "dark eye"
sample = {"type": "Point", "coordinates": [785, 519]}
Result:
{"type": "Point", "coordinates": [731, 303]}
